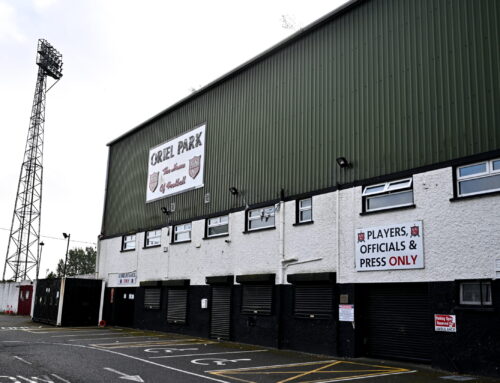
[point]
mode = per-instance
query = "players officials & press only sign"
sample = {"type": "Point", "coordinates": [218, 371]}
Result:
{"type": "Point", "coordinates": [393, 247]}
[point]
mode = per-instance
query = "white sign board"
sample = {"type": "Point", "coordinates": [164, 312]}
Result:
{"type": "Point", "coordinates": [177, 165]}
{"type": "Point", "coordinates": [125, 279]}
{"type": "Point", "coordinates": [444, 322]}
{"type": "Point", "coordinates": [393, 247]}
{"type": "Point", "coordinates": [346, 313]}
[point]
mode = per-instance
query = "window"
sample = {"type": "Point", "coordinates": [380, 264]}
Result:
{"type": "Point", "coordinates": [313, 301]}
{"type": "Point", "coordinates": [304, 210]}
{"type": "Point", "coordinates": [261, 218]}
{"type": "Point", "coordinates": [182, 233]}
{"type": "Point", "coordinates": [176, 306]}
{"type": "Point", "coordinates": [152, 238]}
{"type": "Point", "coordinates": [128, 242]}
{"type": "Point", "coordinates": [475, 293]}
{"type": "Point", "coordinates": [152, 298]}
{"type": "Point", "coordinates": [388, 195]}
{"type": "Point", "coordinates": [257, 299]}
{"type": "Point", "coordinates": [479, 178]}
{"type": "Point", "coordinates": [217, 226]}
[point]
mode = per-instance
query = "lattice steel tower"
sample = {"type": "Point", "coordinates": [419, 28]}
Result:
{"type": "Point", "coordinates": [23, 250]}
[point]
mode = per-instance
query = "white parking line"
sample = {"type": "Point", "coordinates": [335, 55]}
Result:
{"type": "Point", "coordinates": [209, 353]}
{"type": "Point", "coordinates": [70, 335]}
{"type": "Point", "coordinates": [117, 337]}
{"type": "Point", "coordinates": [22, 360]}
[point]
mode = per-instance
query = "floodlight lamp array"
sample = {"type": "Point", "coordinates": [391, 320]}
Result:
{"type": "Point", "coordinates": [49, 59]}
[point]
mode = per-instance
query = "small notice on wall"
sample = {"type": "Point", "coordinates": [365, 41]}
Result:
{"type": "Point", "coordinates": [346, 313]}
{"type": "Point", "coordinates": [127, 278]}
{"type": "Point", "coordinates": [393, 247]}
{"type": "Point", "coordinates": [446, 323]}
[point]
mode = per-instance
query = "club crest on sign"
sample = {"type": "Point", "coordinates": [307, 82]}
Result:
{"type": "Point", "coordinates": [153, 181]}
{"type": "Point", "coordinates": [194, 166]}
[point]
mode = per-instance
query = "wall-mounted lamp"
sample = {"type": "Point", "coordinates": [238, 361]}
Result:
{"type": "Point", "coordinates": [165, 211]}
{"type": "Point", "coordinates": [343, 163]}
{"type": "Point", "coordinates": [233, 190]}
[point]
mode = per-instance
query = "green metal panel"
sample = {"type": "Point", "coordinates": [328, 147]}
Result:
{"type": "Point", "coordinates": [389, 84]}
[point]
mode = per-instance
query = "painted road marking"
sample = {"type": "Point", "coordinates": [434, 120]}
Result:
{"type": "Point", "coordinates": [217, 361]}
{"type": "Point", "coordinates": [179, 342]}
{"type": "Point", "coordinates": [168, 349]}
{"type": "Point", "coordinates": [86, 334]}
{"type": "Point", "coordinates": [61, 379]}
{"type": "Point", "coordinates": [22, 360]}
{"type": "Point", "coordinates": [146, 361]}
{"type": "Point", "coordinates": [134, 378]}
{"type": "Point", "coordinates": [116, 337]}
{"type": "Point", "coordinates": [14, 328]}
{"type": "Point", "coordinates": [33, 379]}
{"type": "Point", "coordinates": [208, 353]}
{"type": "Point", "coordinates": [309, 372]}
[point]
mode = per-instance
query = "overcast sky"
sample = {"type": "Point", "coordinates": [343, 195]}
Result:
{"type": "Point", "coordinates": [124, 61]}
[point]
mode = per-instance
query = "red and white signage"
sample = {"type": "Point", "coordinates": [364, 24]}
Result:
{"type": "Point", "coordinates": [444, 322]}
{"type": "Point", "coordinates": [177, 165]}
{"type": "Point", "coordinates": [393, 247]}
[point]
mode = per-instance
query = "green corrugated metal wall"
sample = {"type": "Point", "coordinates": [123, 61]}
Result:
{"type": "Point", "coordinates": [390, 84]}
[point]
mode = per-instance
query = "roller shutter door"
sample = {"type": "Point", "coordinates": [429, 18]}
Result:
{"type": "Point", "coordinates": [313, 301]}
{"type": "Point", "coordinates": [257, 299]}
{"type": "Point", "coordinates": [399, 324]}
{"type": "Point", "coordinates": [152, 299]}
{"type": "Point", "coordinates": [176, 306]}
{"type": "Point", "coordinates": [220, 325]}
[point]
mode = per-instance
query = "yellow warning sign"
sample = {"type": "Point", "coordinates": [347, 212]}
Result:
{"type": "Point", "coordinates": [310, 372]}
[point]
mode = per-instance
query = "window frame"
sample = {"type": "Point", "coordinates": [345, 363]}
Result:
{"type": "Point", "coordinates": [263, 209]}
{"type": "Point", "coordinates": [388, 188]}
{"type": "Point", "coordinates": [175, 233]}
{"type": "Point", "coordinates": [490, 172]}
{"type": "Point", "coordinates": [146, 245]}
{"type": "Point", "coordinates": [481, 302]}
{"type": "Point", "coordinates": [124, 241]}
{"type": "Point", "coordinates": [300, 209]}
{"type": "Point", "coordinates": [208, 226]}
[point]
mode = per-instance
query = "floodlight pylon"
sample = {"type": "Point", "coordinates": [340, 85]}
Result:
{"type": "Point", "coordinates": [23, 249]}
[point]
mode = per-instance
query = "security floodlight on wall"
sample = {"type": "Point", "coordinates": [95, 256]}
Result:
{"type": "Point", "coordinates": [233, 190]}
{"type": "Point", "coordinates": [165, 211]}
{"type": "Point", "coordinates": [343, 163]}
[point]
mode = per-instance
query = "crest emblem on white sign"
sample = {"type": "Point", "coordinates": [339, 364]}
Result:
{"type": "Point", "coordinates": [153, 181]}
{"type": "Point", "coordinates": [194, 166]}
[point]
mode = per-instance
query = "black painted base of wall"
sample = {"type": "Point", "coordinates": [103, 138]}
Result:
{"type": "Point", "coordinates": [474, 348]}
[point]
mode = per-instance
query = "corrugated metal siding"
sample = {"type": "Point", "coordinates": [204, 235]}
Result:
{"type": "Point", "coordinates": [391, 85]}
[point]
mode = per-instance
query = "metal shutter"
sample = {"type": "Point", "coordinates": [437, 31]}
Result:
{"type": "Point", "coordinates": [399, 322]}
{"type": "Point", "coordinates": [176, 305]}
{"type": "Point", "coordinates": [220, 325]}
{"type": "Point", "coordinates": [152, 299]}
{"type": "Point", "coordinates": [257, 299]}
{"type": "Point", "coordinates": [313, 301]}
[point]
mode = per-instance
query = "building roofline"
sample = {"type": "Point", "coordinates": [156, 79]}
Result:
{"type": "Point", "coordinates": [268, 52]}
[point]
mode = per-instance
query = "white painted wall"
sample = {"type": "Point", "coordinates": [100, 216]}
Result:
{"type": "Point", "coordinates": [9, 296]}
{"type": "Point", "coordinates": [461, 240]}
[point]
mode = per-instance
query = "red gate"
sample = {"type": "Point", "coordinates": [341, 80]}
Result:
{"type": "Point", "coordinates": [25, 296]}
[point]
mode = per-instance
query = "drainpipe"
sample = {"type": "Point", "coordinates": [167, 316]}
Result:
{"type": "Point", "coordinates": [282, 241]}
{"type": "Point", "coordinates": [337, 223]}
